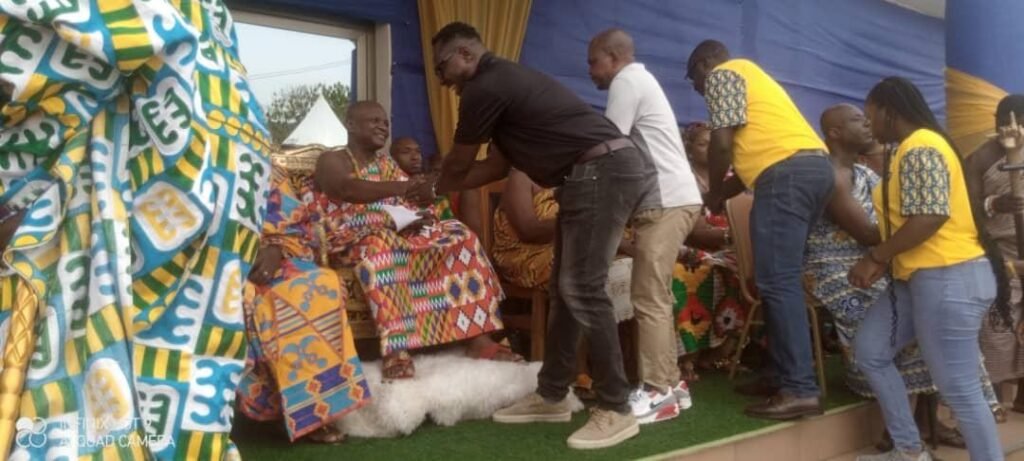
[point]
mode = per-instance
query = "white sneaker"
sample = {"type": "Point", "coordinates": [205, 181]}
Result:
{"type": "Point", "coordinates": [651, 406]}
{"type": "Point", "coordinates": [682, 393]}
{"type": "Point", "coordinates": [896, 455]}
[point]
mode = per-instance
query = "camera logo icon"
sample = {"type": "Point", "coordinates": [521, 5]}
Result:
{"type": "Point", "coordinates": [31, 432]}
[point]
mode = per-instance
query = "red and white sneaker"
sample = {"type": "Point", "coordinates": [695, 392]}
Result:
{"type": "Point", "coordinates": [652, 406]}
{"type": "Point", "coordinates": [682, 393]}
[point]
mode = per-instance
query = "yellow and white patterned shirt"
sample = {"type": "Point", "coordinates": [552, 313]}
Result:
{"type": "Point", "coordinates": [770, 127]}
{"type": "Point", "coordinates": [926, 179]}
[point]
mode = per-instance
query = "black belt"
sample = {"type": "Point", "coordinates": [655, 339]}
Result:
{"type": "Point", "coordinates": [603, 148]}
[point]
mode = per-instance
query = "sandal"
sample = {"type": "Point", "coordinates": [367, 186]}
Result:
{"type": "Point", "coordinates": [398, 366]}
{"type": "Point", "coordinates": [496, 352]}
{"type": "Point", "coordinates": [327, 435]}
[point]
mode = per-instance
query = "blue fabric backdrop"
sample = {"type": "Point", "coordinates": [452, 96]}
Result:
{"type": "Point", "coordinates": [972, 50]}
{"type": "Point", "coordinates": [823, 51]}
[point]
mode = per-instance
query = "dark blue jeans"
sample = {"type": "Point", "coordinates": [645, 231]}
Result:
{"type": "Point", "coordinates": [789, 198]}
{"type": "Point", "coordinates": [595, 203]}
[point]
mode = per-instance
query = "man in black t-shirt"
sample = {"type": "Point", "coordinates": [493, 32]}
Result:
{"type": "Point", "coordinates": [549, 133]}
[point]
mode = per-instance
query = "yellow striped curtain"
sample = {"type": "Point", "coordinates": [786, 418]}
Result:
{"type": "Point", "coordinates": [971, 108]}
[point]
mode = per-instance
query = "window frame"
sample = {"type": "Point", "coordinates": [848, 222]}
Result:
{"type": "Point", "coordinates": [372, 44]}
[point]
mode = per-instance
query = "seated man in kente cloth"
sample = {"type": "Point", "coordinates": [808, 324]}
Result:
{"type": "Point", "coordinates": [428, 284]}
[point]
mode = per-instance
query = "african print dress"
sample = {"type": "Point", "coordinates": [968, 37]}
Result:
{"type": "Point", "coordinates": [141, 156]}
{"type": "Point", "coordinates": [831, 253]}
{"type": "Point", "coordinates": [708, 305]}
{"type": "Point", "coordinates": [302, 363]}
{"type": "Point", "coordinates": [527, 265]}
{"type": "Point", "coordinates": [432, 287]}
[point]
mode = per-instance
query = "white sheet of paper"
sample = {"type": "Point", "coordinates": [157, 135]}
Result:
{"type": "Point", "coordinates": [401, 215]}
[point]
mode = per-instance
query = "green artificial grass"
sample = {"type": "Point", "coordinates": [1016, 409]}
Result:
{"type": "Point", "coordinates": [717, 414]}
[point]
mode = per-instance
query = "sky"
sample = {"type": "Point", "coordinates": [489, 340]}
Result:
{"type": "Point", "coordinates": [277, 59]}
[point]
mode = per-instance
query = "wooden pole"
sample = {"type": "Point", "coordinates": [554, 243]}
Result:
{"type": "Point", "coordinates": [1015, 160]}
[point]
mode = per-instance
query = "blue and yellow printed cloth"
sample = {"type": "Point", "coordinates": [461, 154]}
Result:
{"type": "Point", "coordinates": [140, 154]}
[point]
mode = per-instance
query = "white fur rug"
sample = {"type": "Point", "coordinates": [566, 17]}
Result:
{"type": "Point", "coordinates": [448, 388]}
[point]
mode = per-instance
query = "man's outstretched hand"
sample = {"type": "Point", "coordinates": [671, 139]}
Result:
{"type": "Point", "coordinates": [421, 190]}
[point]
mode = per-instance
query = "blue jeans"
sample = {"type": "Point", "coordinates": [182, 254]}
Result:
{"type": "Point", "coordinates": [789, 198]}
{"type": "Point", "coordinates": [942, 310]}
{"type": "Point", "coordinates": [595, 203]}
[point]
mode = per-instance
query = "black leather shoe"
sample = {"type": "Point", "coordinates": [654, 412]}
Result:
{"type": "Point", "coordinates": [756, 388]}
{"type": "Point", "coordinates": [785, 407]}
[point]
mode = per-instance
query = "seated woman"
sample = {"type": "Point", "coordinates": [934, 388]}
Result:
{"type": "Point", "coordinates": [407, 154]}
{"type": "Point", "coordinates": [428, 284]}
{"type": "Point", "coordinates": [709, 308]}
{"type": "Point", "coordinates": [524, 232]}
{"type": "Point", "coordinates": [297, 330]}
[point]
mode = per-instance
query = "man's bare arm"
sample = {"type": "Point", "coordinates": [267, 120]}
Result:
{"type": "Point", "coordinates": [461, 170]}
{"type": "Point", "coordinates": [719, 159]}
{"type": "Point", "coordinates": [335, 176]}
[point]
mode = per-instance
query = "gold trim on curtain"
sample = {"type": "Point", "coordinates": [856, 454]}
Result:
{"type": "Point", "coordinates": [502, 26]}
{"type": "Point", "coordinates": [970, 109]}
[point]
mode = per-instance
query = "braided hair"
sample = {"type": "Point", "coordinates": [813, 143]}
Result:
{"type": "Point", "coordinates": [901, 98]}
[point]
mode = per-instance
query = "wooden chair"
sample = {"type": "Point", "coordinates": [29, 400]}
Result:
{"type": "Point", "coordinates": [534, 323]}
{"type": "Point", "coordinates": [738, 212]}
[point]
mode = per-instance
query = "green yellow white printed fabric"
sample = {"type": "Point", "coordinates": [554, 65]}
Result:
{"type": "Point", "coordinates": [140, 154]}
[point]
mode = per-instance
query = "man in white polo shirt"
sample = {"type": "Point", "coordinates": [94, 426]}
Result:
{"type": "Point", "coordinates": [638, 107]}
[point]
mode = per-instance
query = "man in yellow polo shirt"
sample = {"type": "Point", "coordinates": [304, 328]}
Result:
{"type": "Point", "coordinates": [774, 151]}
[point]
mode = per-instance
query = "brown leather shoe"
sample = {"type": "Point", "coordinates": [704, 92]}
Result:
{"type": "Point", "coordinates": [784, 407]}
{"type": "Point", "coordinates": [756, 388]}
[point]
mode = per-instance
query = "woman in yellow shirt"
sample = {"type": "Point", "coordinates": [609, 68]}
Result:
{"type": "Point", "coordinates": [945, 273]}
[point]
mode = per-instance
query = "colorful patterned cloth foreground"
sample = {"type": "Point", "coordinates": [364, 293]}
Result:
{"type": "Point", "coordinates": [136, 146]}
{"type": "Point", "coordinates": [708, 304]}
{"type": "Point", "coordinates": [305, 367]}
{"type": "Point", "coordinates": [302, 362]}
{"type": "Point", "coordinates": [425, 289]}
